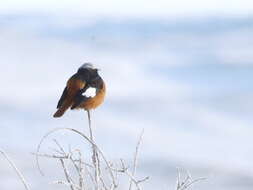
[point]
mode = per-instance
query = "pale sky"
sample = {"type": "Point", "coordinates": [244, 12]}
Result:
{"type": "Point", "coordinates": [131, 8]}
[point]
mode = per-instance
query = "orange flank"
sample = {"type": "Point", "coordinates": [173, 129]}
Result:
{"type": "Point", "coordinates": [94, 102]}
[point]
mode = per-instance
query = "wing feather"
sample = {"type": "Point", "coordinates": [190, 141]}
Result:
{"type": "Point", "coordinates": [63, 96]}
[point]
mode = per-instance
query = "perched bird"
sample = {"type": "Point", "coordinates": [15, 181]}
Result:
{"type": "Point", "coordinates": [84, 90]}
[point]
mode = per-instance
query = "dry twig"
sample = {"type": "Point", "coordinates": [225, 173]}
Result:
{"type": "Point", "coordinates": [187, 182]}
{"type": "Point", "coordinates": [95, 158]}
{"type": "Point", "coordinates": [20, 175]}
{"type": "Point", "coordinates": [135, 158]}
{"type": "Point", "coordinates": [92, 173]}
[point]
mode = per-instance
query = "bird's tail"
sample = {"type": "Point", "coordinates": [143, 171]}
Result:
{"type": "Point", "coordinates": [63, 108]}
{"type": "Point", "coordinates": [59, 112]}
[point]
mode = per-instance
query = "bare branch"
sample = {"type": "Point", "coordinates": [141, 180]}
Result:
{"type": "Point", "coordinates": [67, 176]}
{"type": "Point", "coordinates": [79, 169]}
{"type": "Point", "coordinates": [88, 173]}
{"type": "Point", "coordinates": [125, 170]}
{"type": "Point", "coordinates": [87, 139]}
{"type": "Point", "coordinates": [66, 183]}
{"type": "Point", "coordinates": [187, 182]}
{"type": "Point", "coordinates": [135, 157]}
{"type": "Point", "coordinates": [95, 158]}
{"type": "Point", "coordinates": [21, 177]}
{"type": "Point", "coordinates": [60, 147]}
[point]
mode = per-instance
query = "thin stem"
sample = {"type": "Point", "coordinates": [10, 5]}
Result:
{"type": "Point", "coordinates": [89, 120]}
{"type": "Point", "coordinates": [67, 175]}
{"type": "Point", "coordinates": [136, 157]}
{"type": "Point", "coordinates": [16, 169]}
{"type": "Point", "coordinates": [114, 184]}
{"type": "Point", "coordinates": [95, 154]}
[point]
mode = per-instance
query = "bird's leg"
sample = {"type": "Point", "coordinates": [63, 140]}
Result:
{"type": "Point", "coordinates": [89, 119]}
{"type": "Point", "coordinates": [95, 158]}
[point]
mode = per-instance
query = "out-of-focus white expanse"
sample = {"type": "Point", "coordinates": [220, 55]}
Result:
{"type": "Point", "coordinates": [131, 8]}
{"type": "Point", "coordinates": [181, 70]}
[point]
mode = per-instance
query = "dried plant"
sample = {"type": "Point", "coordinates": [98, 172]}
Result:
{"type": "Point", "coordinates": [186, 182]}
{"type": "Point", "coordinates": [87, 172]}
{"type": "Point", "coordinates": [20, 175]}
{"type": "Point", "coordinates": [95, 173]}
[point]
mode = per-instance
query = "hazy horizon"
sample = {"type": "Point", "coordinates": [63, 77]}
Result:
{"type": "Point", "coordinates": [185, 81]}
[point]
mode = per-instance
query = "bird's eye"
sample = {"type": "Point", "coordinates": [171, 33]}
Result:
{"type": "Point", "coordinates": [95, 72]}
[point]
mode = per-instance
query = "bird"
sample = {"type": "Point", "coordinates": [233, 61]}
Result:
{"type": "Point", "coordinates": [84, 90]}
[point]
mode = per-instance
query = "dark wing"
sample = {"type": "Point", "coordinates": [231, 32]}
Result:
{"type": "Point", "coordinates": [79, 98]}
{"type": "Point", "coordinates": [94, 82]}
{"type": "Point", "coordinates": [63, 96]}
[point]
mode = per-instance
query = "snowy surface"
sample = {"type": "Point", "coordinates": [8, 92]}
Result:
{"type": "Point", "coordinates": [188, 83]}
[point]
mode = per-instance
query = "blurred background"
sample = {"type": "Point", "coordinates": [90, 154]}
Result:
{"type": "Point", "coordinates": [181, 70]}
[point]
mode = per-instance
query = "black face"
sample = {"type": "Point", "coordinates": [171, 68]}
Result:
{"type": "Point", "coordinates": [95, 80]}
{"type": "Point", "coordinates": [91, 76]}
{"type": "Point", "coordinates": [84, 74]}
{"type": "Point", "coordinates": [87, 73]}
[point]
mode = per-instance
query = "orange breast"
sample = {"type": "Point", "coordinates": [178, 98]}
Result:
{"type": "Point", "coordinates": [94, 102]}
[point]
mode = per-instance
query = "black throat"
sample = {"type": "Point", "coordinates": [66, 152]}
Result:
{"type": "Point", "coordinates": [91, 77]}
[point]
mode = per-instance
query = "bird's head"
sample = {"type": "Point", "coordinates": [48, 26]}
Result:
{"type": "Point", "coordinates": [90, 72]}
{"type": "Point", "coordinates": [88, 68]}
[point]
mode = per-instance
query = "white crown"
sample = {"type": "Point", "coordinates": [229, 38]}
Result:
{"type": "Point", "coordinates": [87, 66]}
